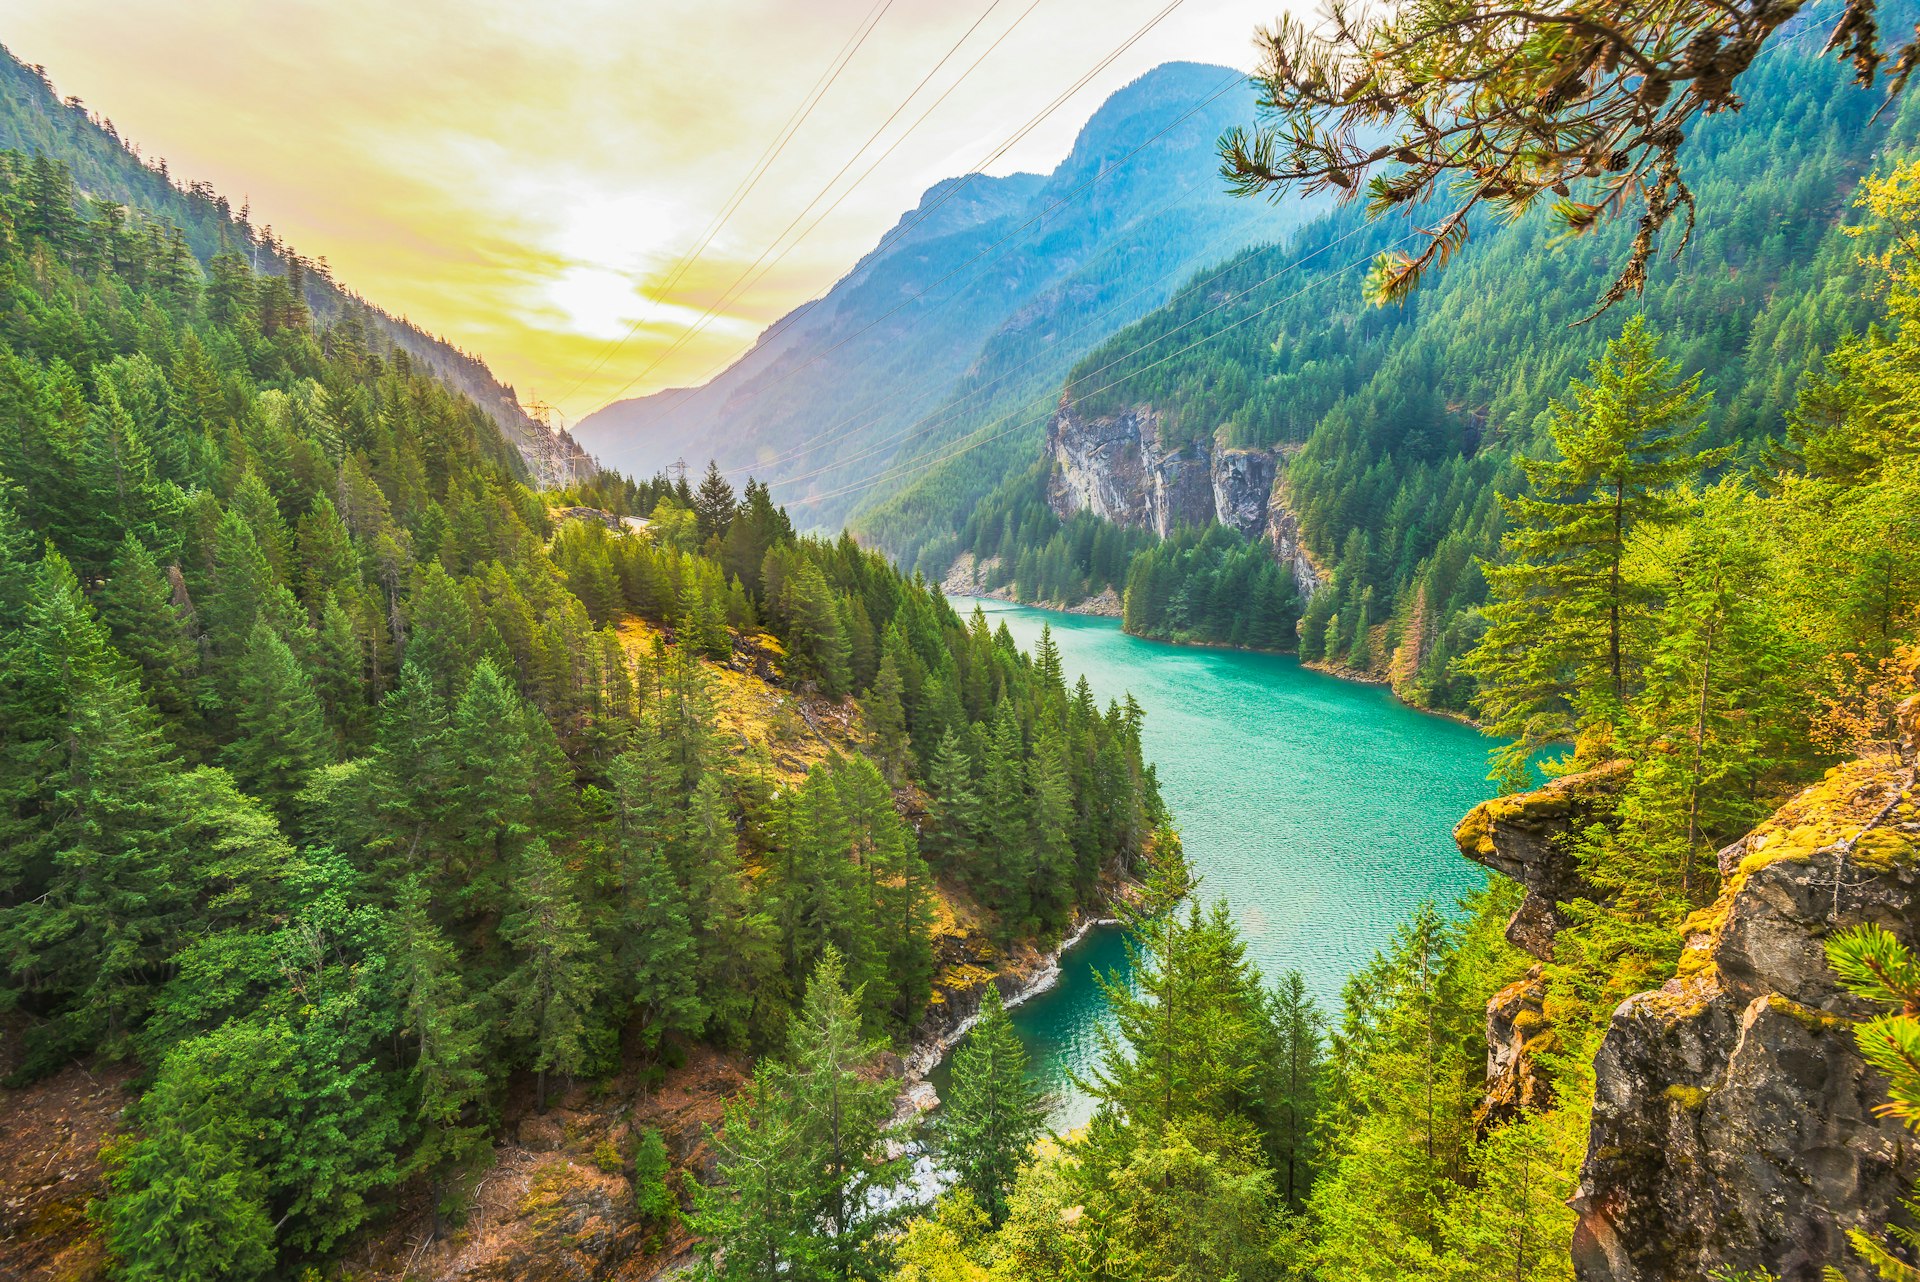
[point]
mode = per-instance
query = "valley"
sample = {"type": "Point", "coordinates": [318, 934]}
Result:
{"type": "Point", "coordinates": [1321, 810]}
{"type": "Point", "coordinates": [1293, 672]}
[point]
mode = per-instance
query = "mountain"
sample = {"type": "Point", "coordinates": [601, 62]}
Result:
{"type": "Point", "coordinates": [976, 302]}
{"type": "Point", "coordinates": [1366, 446]}
{"type": "Point", "coordinates": [35, 120]}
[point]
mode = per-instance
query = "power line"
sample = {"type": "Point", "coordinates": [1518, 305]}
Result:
{"type": "Point", "coordinates": [1003, 244]}
{"type": "Point", "coordinates": [808, 444]}
{"type": "Point", "coordinates": [930, 460]}
{"type": "Point", "coordinates": [752, 177]}
{"type": "Point", "coordinates": [878, 446]}
{"type": "Point", "coordinates": [926, 211]}
{"type": "Point", "coordinates": [741, 282]}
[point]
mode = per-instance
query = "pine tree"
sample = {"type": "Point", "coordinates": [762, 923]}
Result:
{"type": "Point", "coordinates": [1556, 656]}
{"type": "Point", "coordinates": [656, 951]}
{"type": "Point", "coordinates": [994, 1112]}
{"type": "Point", "coordinates": [1007, 838]}
{"type": "Point", "coordinates": [1051, 821]}
{"type": "Point", "coordinates": [94, 901]}
{"type": "Point", "coordinates": [137, 605]}
{"type": "Point", "coordinates": [231, 597]}
{"type": "Point", "coordinates": [281, 732]}
{"type": "Point", "coordinates": [548, 996]}
{"type": "Point", "coordinates": [843, 1111]}
{"type": "Point", "coordinates": [490, 792]}
{"type": "Point", "coordinates": [324, 554]}
{"type": "Point", "coordinates": [340, 671]}
{"type": "Point", "coordinates": [1877, 967]}
{"type": "Point", "coordinates": [955, 806]}
{"type": "Point", "coordinates": [441, 636]}
{"type": "Point", "coordinates": [758, 1219]}
{"type": "Point", "coordinates": [1291, 1086]}
{"type": "Point", "coordinates": [255, 504]}
{"type": "Point", "coordinates": [448, 1037]}
{"type": "Point", "coordinates": [887, 721]}
{"type": "Point", "coordinates": [713, 504]}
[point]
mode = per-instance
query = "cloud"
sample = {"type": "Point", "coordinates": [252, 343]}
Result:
{"type": "Point", "coordinates": [525, 178]}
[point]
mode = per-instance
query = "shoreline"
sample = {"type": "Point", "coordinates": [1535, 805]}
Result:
{"type": "Point", "coordinates": [926, 1052]}
{"type": "Point", "coordinates": [1339, 672]}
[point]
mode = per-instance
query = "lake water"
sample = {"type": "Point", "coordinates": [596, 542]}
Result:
{"type": "Point", "coordinates": [1320, 809]}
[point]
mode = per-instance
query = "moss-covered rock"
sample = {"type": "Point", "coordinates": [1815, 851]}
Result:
{"type": "Point", "coordinates": [1733, 1120]}
{"type": "Point", "coordinates": [1523, 837]}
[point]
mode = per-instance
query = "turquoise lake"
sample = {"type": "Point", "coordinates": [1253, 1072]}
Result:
{"type": "Point", "coordinates": [1320, 809]}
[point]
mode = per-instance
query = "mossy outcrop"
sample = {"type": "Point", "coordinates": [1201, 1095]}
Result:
{"type": "Point", "coordinates": [1523, 837]}
{"type": "Point", "coordinates": [1734, 1122]}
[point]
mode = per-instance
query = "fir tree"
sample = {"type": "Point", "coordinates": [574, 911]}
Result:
{"type": "Point", "coordinates": [994, 1112]}
{"type": "Point", "coordinates": [713, 504]}
{"type": "Point", "coordinates": [1563, 598]}
{"type": "Point", "coordinates": [887, 721]}
{"type": "Point", "coordinates": [137, 605]}
{"type": "Point", "coordinates": [281, 732]}
{"type": "Point", "coordinates": [447, 1035]}
{"type": "Point", "coordinates": [548, 996]}
{"type": "Point", "coordinates": [955, 805]}
{"type": "Point", "coordinates": [656, 953]}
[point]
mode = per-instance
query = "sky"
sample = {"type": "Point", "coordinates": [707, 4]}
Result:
{"type": "Point", "coordinates": [531, 179]}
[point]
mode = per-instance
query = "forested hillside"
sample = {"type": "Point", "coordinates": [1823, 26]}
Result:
{"type": "Point", "coordinates": [1397, 427]}
{"type": "Point", "coordinates": [348, 789]}
{"type": "Point", "coordinates": [101, 164]}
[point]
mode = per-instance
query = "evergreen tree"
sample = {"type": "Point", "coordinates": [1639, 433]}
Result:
{"type": "Point", "coordinates": [887, 720]}
{"type": "Point", "coordinates": [955, 805]}
{"type": "Point", "coordinates": [1556, 657]}
{"type": "Point", "coordinates": [447, 1035]}
{"type": "Point", "coordinates": [713, 504]}
{"type": "Point", "coordinates": [281, 732]}
{"type": "Point", "coordinates": [993, 1112]}
{"type": "Point", "coordinates": [656, 948]}
{"type": "Point", "coordinates": [759, 1218]}
{"type": "Point", "coordinates": [548, 996]}
{"type": "Point", "coordinates": [843, 1112]}
{"type": "Point", "coordinates": [1007, 836]}
{"type": "Point", "coordinates": [1291, 1086]}
{"type": "Point", "coordinates": [137, 606]}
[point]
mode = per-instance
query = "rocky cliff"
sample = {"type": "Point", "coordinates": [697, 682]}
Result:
{"type": "Point", "coordinates": [1733, 1120]}
{"type": "Point", "coordinates": [1115, 467]}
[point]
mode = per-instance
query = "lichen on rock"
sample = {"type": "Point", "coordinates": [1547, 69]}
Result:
{"type": "Point", "coordinates": [1734, 1120]}
{"type": "Point", "coordinates": [1523, 837]}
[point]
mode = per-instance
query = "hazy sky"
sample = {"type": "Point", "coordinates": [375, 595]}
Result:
{"type": "Point", "coordinates": [523, 177]}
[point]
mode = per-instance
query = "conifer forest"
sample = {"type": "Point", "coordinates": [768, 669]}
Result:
{"type": "Point", "coordinates": [441, 838]}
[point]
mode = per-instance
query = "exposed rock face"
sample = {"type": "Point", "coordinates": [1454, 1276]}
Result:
{"type": "Point", "coordinates": [1115, 467]}
{"type": "Point", "coordinates": [1733, 1123]}
{"type": "Point", "coordinates": [1283, 536]}
{"type": "Point", "coordinates": [1242, 487]}
{"type": "Point", "coordinates": [1520, 838]}
{"type": "Point", "coordinates": [1516, 1025]}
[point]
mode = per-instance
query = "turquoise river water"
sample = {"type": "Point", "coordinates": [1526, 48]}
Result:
{"type": "Point", "coordinates": [1320, 809]}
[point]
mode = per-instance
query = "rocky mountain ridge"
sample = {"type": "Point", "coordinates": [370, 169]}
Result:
{"type": "Point", "coordinates": [1114, 466]}
{"type": "Point", "coordinates": [968, 309]}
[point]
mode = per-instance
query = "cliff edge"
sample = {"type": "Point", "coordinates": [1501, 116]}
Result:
{"type": "Point", "coordinates": [1734, 1124]}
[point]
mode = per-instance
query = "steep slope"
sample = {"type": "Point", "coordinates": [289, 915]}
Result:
{"type": "Point", "coordinates": [973, 305]}
{"type": "Point", "coordinates": [33, 119]}
{"type": "Point", "coordinates": [1388, 431]}
{"type": "Point", "coordinates": [1733, 1121]}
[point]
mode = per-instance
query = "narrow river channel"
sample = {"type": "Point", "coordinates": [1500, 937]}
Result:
{"type": "Point", "coordinates": [1320, 809]}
